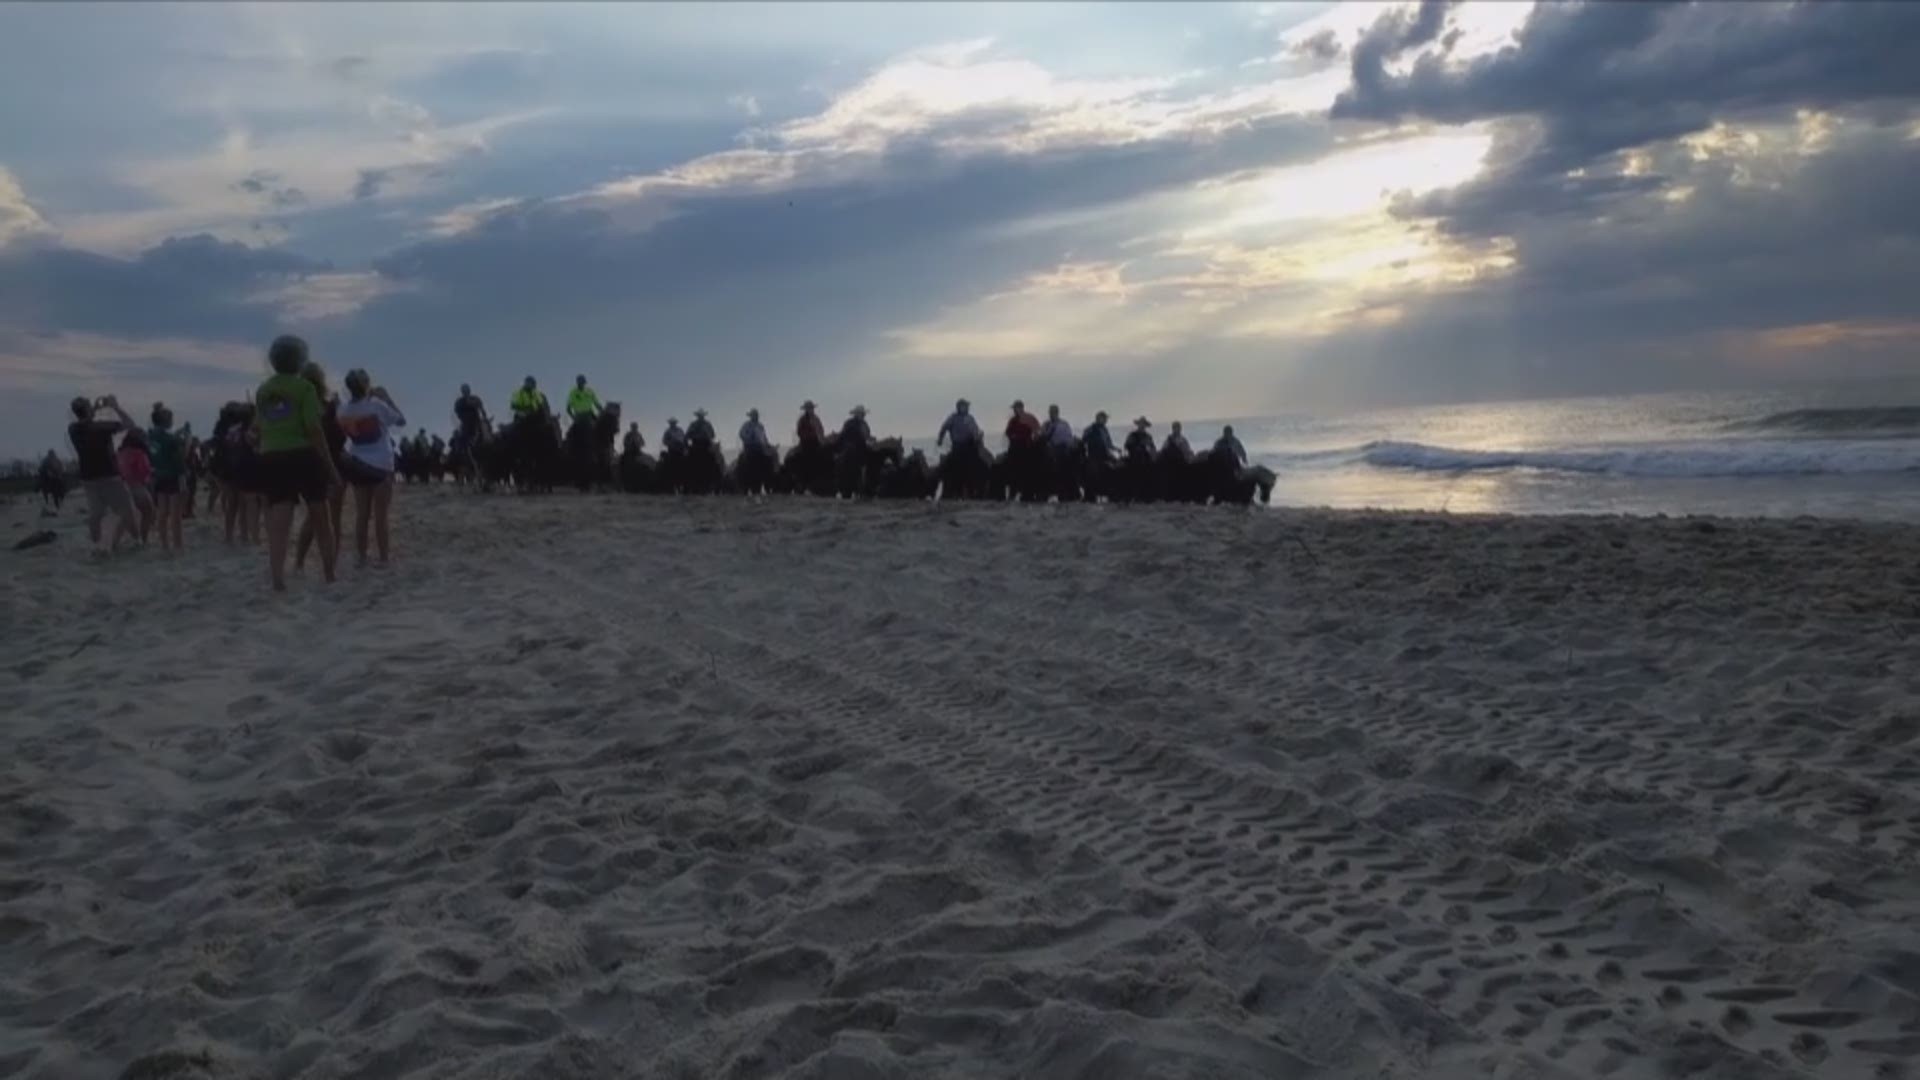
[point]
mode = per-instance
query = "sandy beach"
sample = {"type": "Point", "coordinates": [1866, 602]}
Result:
{"type": "Point", "coordinates": [634, 787]}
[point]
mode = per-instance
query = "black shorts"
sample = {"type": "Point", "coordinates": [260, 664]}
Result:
{"type": "Point", "coordinates": [360, 474]}
{"type": "Point", "coordinates": [166, 485]}
{"type": "Point", "coordinates": [292, 476]}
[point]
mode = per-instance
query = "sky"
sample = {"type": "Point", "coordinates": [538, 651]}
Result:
{"type": "Point", "coordinates": [1176, 209]}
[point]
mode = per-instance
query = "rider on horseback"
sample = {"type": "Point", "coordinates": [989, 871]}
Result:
{"type": "Point", "coordinates": [528, 402]}
{"type": "Point", "coordinates": [469, 413]}
{"type": "Point", "coordinates": [582, 402]}
{"type": "Point", "coordinates": [809, 432]}
{"type": "Point", "coordinates": [961, 427]}
{"type": "Point", "coordinates": [855, 434]}
{"type": "Point", "coordinates": [1228, 448]}
{"type": "Point", "coordinates": [1097, 441]}
{"type": "Point", "coordinates": [700, 433]}
{"type": "Point", "coordinates": [963, 463]}
{"type": "Point", "coordinates": [1140, 448]}
{"type": "Point", "coordinates": [1176, 444]}
{"type": "Point", "coordinates": [753, 436]}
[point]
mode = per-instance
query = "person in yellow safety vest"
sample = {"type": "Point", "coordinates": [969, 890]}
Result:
{"type": "Point", "coordinates": [528, 401]}
{"type": "Point", "coordinates": [581, 401]}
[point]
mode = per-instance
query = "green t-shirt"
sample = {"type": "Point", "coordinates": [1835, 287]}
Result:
{"type": "Point", "coordinates": [165, 450]}
{"type": "Point", "coordinates": [289, 408]}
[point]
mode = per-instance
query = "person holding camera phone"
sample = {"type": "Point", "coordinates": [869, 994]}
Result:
{"type": "Point", "coordinates": [93, 444]}
{"type": "Point", "coordinates": [369, 419]}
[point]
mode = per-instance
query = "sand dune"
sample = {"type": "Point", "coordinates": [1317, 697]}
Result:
{"type": "Point", "coordinates": [634, 787]}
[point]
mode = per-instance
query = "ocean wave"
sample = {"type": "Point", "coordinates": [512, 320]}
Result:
{"type": "Point", "coordinates": [1879, 420]}
{"type": "Point", "coordinates": [1743, 458]}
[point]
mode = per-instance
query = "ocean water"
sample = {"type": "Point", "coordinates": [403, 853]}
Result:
{"type": "Point", "coordinates": [1845, 452]}
{"type": "Point", "coordinates": [1850, 451]}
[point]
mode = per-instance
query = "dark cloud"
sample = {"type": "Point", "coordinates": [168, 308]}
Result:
{"type": "Point", "coordinates": [1322, 48]}
{"type": "Point", "coordinates": [770, 289]}
{"type": "Point", "coordinates": [266, 184]}
{"type": "Point", "coordinates": [1666, 292]}
{"type": "Point", "coordinates": [1638, 263]}
{"type": "Point", "coordinates": [370, 182]}
{"type": "Point", "coordinates": [1586, 81]}
{"type": "Point", "coordinates": [193, 286]}
{"type": "Point", "coordinates": [1394, 33]}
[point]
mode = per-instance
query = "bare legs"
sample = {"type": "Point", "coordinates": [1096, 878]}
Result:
{"type": "Point", "coordinates": [171, 508]}
{"type": "Point", "coordinates": [336, 510]}
{"type": "Point", "coordinates": [371, 507]}
{"type": "Point", "coordinates": [280, 532]}
{"type": "Point", "coordinates": [382, 504]}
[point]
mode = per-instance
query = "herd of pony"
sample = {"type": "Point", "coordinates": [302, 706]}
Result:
{"type": "Point", "coordinates": [534, 455]}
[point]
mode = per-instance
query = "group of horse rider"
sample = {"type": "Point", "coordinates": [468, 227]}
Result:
{"type": "Point", "coordinates": [1024, 432]}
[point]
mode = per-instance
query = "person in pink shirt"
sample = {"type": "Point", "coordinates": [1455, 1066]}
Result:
{"type": "Point", "coordinates": [136, 470]}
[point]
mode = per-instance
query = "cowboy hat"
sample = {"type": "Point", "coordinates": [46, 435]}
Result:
{"type": "Point", "coordinates": [1018, 405]}
{"type": "Point", "coordinates": [806, 404]}
{"type": "Point", "coordinates": [858, 410]}
{"type": "Point", "coordinates": [1142, 421]}
{"type": "Point", "coordinates": [698, 413]}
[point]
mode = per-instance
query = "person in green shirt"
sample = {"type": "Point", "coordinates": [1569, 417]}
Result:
{"type": "Point", "coordinates": [582, 402]}
{"type": "Point", "coordinates": [167, 450]}
{"type": "Point", "coordinates": [528, 401]}
{"type": "Point", "coordinates": [294, 464]}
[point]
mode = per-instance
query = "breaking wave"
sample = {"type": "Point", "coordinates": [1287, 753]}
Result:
{"type": "Point", "coordinates": [1867, 420]}
{"type": "Point", "coordinates": [1797, 457]}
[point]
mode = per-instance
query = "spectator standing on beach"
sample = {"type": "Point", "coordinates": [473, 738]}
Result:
{"type": "Point", "coordinates": [369, 419]}
{"type": "Point", "coordinates": [53, 481]}
{"type": "Point", "coordinates": [195, 457]}
{"type": "Point", "coordinates": [106, 492]}
{"type": "Point", "coordinates": [336, 449]}
{"type": "Point", "coordinates": [168, 453]}
{"type": "Point", "coordinates": [294, 465]}
{"type": "Point", "coordinates": [136, 468]}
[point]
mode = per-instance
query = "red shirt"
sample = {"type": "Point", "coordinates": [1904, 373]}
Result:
{"type": "Point", "coordinates": [135, 467]}
{"type": "Point", "coordinates": [1022, 427]}
{"type": "Point", "coordinates": [809, 429]}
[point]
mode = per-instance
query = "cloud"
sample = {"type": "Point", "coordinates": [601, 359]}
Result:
{"type": "Point", "coordinates": [1431, 201]}
{"type": "Point", "coordinates": [1585, 82]}
{"type": "Point", "coordinates": [368, 185]}
{"type": "Point", "coordinates": [18, 218]}
{"type": "Point", "coordinates": [195, 286]}
{"type": "Point", "coordinates": [1319, 48]}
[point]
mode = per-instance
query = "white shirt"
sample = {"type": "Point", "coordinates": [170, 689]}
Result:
{"type": "Point", "coordinates": [368, 424]}
{"type": "Point", "coordinates": [1058, 432]}
{"type": "Point", "coordinates": [961, 428]}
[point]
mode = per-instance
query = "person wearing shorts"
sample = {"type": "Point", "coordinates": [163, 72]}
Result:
{"type": "Point", "coordinates": [136, 468]}
{"type": "Point", "coordinates": [100, 470]}
{"type": "Point", "coordinates": [167, 451]}
{"type": "Point", "coordinates": [293, 466]}
{"type": "Point", "coordinates": [369, 419]}
{"type": "Point", "coordinates": [336, 449]}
